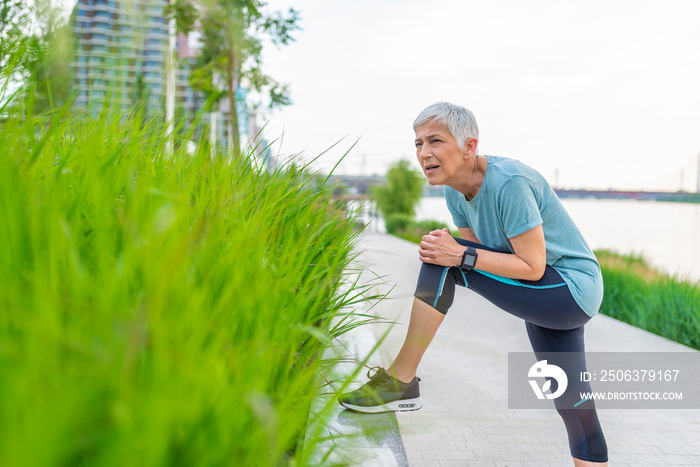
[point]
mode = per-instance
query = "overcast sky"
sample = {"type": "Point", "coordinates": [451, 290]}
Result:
{"type": "Point", "coordinates": [606, 93]}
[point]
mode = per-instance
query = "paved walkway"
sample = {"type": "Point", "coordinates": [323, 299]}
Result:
{"type": "Point", "coordinates": [465, 420]}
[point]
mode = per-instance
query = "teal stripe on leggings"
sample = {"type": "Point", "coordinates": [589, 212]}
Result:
{"type": "Point", "coordinates": [442, 283]}
{"type": "Point", "coordinates": [466, 284]}
{"type": "Point", "coordinates": [509, 281]}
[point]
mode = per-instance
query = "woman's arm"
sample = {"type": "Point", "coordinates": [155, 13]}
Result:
{"type": "Point", "coordinates": [528, 262]}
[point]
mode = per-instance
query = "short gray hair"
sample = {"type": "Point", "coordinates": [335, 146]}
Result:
{"type": "Point", "coordinates": [459, 120]}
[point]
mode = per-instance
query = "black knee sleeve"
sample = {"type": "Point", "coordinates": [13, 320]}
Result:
{"type": "Point", "coordinates": [436, 287]}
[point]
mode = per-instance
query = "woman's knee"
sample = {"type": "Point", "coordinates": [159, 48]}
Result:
{"type": "Point", "coordinates": [435, 287]}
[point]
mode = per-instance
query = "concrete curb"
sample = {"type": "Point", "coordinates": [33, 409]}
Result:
{"type": "Point", "coordinates": [354, 438]}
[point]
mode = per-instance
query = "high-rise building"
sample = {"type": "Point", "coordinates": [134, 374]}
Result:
{"type": "Point", "coordinates": [121, 52]}
{"type": "Point", "coordinates": [121, 49]}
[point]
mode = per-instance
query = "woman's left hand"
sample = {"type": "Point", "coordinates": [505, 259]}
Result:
{"type": "Point", "coordinates": [439, 247]}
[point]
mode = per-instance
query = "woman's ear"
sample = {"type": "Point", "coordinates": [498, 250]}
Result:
{"type": "Point", "coordinates": [470, 147]}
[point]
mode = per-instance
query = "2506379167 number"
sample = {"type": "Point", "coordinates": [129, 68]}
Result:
{"type": "Point", "coordinates": [638, 375]}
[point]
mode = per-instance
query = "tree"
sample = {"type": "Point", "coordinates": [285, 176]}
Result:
{"type": "Point", "coordinates": [36, 48]}
{"type": "Point", "coordinates": [398, 197]}
{"type": "Point", "coordinates": [52, 72]}
{"type": "Point", "coordinates": [233, 32]}
{"type": "Point", "coordinates": [184, 12]}
{"type": "Point", "coordinates": [14, 40]}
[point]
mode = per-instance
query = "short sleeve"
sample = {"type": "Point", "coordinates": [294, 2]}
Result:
{"type": "Point", "coordinates": [518, 207]}
{"type": "Point", "coordinates": [459, 221]}
{"type": "Point", "coordinates": [452, 199]}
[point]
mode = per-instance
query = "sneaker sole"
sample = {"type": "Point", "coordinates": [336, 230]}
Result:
{"type": "Point", "coordinates": [406, 405]}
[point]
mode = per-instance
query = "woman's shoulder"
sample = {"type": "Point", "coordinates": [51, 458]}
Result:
{"type": "Point", "coordinates": [506, 169]}
{"type": "Point", "coordinates": [510, 166]}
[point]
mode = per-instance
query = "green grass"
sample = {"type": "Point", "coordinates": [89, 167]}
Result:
{"type": "Point", "coordinates": [159, 310]}
{"type": "Point", "coordinates": [642, 296]}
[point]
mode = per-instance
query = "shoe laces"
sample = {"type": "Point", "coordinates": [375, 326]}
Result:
{"type": "Point", "coordinates": [377, 371]}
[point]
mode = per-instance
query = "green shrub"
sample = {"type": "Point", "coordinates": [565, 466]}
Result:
{"type": "Point", "coordinates": [428, 225]}
{"type": "Point", "coordinates": [415, 230]}
{"type": "Point", "coordinates": [397, 222]}
{"type": "Point", "coordinates": [158, 310]}
{"type": "Point", "coordinates": [401, 192]}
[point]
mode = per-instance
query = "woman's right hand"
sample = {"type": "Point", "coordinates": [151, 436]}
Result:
{"type": "Point", "coordinates": [439, 247]}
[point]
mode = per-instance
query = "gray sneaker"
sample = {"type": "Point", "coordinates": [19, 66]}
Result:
{"type": "Point", "coordinates": [383, 393]}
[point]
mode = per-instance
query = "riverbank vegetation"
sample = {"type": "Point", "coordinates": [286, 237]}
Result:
{"type": "Point", "coordinates": [642, 296]}
{"type": "Point", "coordinates": [682, 198]}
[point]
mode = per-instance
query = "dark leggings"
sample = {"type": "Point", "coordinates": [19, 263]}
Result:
{"type": "Point", "coordinates": [554, 323]}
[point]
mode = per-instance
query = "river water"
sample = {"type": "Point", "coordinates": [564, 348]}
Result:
{"type": "Point", "coordinates": [666, 234]}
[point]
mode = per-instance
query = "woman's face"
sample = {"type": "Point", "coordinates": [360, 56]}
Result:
{"type": "Point", "coordinates": [438, 153]}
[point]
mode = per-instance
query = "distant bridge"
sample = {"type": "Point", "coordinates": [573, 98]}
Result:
{"type": "Point", "coordinates": [354, 186]}
{"type": "Point", "coordinates": [681, 196]}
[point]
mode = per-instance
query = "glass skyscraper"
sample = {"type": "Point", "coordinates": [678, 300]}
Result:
{"type": "Point", "coordinates": [121, 52]}
{"type": "Point", "coordinates": [122, 48]}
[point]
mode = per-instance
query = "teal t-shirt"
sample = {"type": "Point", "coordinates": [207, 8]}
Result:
{"type": "Point", "coordinates": [515, 198]}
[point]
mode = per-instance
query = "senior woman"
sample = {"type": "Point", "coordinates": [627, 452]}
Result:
{"type": "Point", "coordinates": [519, 249]}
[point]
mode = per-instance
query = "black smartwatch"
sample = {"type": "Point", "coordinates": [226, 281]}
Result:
{"type": "Point", "coordinates": [469, 258]}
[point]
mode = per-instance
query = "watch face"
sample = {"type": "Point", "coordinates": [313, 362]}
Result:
{"type": "Point", "coordinates": [468, 261]}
